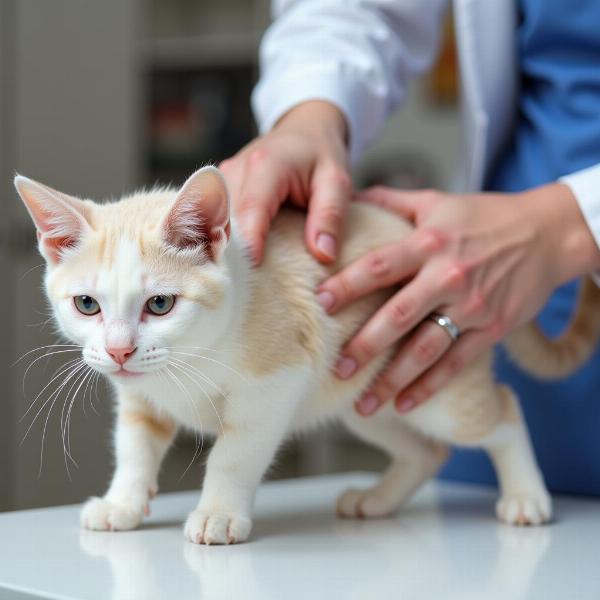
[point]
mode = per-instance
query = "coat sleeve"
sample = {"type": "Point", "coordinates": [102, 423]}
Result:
{"type": "Point", "coordinates": [585, 185]}
{"type": "Point", "coordinates": [356, 54]}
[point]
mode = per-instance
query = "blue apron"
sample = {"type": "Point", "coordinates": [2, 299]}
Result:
{"type": "Point", "coordinates": [557, 132]}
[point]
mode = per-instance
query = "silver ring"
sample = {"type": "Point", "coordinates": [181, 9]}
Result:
{"type": "Point", "coordinates": [447, 324]}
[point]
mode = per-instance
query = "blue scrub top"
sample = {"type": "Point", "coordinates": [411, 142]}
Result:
{"type": "Point", "coordinates": [557, 132]}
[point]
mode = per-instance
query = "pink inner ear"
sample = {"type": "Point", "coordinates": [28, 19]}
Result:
{"type": "Point", "coordinates": [59, 228]}
{"type": "Point", "coordinates": [55, 244]}
{"type": "Point", "coordinates": [200, 215]}
{"type": "Point", "coordinates": [185, 227]}
{"type": "Point", "coordinates": [59, 218]}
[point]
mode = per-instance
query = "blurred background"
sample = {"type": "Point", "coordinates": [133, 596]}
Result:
{"type": "Point", "coordinates": [97, 98]}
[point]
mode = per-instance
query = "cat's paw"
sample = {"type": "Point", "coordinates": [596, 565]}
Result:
{"type": "Point", "coordinates": [212, 527]}
{"type": "Point", "coordinates": [533, 508]}
{"type": "Point", "coordinates": [101, 515]}
{"type": "Point", "coordinates": [363, 504]}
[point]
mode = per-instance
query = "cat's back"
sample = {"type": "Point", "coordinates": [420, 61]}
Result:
{"type": "Point", "coordinates": [366, 228]}
{"type": "Point", "coordinates": [285, 323]}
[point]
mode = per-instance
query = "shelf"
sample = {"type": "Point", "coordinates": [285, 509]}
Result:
{"type": "Point", "coordinates": [211, 50]}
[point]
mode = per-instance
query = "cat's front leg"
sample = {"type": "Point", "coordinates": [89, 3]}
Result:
{"type": "Point", "coordinates": [254, 425]}
{"type": "Point", "coordinates": [142, 438]}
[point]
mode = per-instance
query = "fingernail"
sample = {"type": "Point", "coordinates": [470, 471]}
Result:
{"type": "Point", "coordinates": [326, 244]}
{"type": "Point", "coordinates": [405, 404]}
{"type": "Point", "coordinates": [326, 299]}
{"type": "Point", "coordinates": [345, 367]}
{"type": "Point", "coordinates": [368, 404]}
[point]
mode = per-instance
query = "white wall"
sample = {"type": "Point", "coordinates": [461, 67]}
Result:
{"type": "Point", "coordinates": [70, 117]}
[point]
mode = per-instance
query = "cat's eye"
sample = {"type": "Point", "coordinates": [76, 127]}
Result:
{"type": "Point", "coordinates": [160, 305]}
{"type": "Point", "coordinates": [86, 305]}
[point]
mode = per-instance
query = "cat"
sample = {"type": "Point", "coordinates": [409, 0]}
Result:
{"type": "Point", "coordinates": [159, 291]}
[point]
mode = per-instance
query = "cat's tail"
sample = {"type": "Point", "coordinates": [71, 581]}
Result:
{"type": "Point", "coordinates": [556, 358]}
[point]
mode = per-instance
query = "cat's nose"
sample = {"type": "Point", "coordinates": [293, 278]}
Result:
{"type": "Point", "coordinates": [121, 355]}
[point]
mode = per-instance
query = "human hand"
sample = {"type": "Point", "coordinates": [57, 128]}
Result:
{"type": "Point", "coordinates": [304, 159]}
{"type": "Point", "coordinates": [488, 261]}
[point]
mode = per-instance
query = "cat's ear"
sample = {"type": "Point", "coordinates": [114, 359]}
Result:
{"type": "Point", "coordinates": [200, 214]}
{"type": "Point", "coordinates": [60, 219]}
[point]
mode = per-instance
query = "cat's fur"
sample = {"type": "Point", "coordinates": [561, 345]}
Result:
{"type": "Point", "coordinates": [247, 354]}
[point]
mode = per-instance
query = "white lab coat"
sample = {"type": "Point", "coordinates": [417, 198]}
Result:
{"type": "Point", "coordinates": [361, 54]}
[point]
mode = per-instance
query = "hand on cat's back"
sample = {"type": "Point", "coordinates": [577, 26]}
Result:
{"type": "Point", "coordinates": [303, 159]}
{"type": "Point", "coordinates": [487, 261]}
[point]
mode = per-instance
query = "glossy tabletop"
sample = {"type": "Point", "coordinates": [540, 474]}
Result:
{"type": "Point", "coordinates": [445, 544]}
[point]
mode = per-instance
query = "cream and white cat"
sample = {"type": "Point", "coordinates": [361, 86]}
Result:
{"type": "Point", "coordinates": [158, 290]}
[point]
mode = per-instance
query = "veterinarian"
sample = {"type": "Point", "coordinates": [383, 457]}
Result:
{"type": "Point", "coordinates": [479, 264]}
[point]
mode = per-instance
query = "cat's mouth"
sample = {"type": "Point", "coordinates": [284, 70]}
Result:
{"type": "Point", "coordinates": [122, 372]}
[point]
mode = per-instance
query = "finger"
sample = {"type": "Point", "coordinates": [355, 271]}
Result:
{"type": "Point", "coordinates": [263, 190]}
{"type": "Point", "coordinates": [330, 196]}
{"type": "Point", "coordinates": [391, 322]}
{"type": "Point", "coordinates": [422, 350]}
{"type": "Point", "coordinates": [379, 269]}
{"type": "Point", "coordinates": [255, 230]}
{"type": "Point", "coordinates": [233, 170]}
{"type": "Point", "coordinates": [404, 203]}
{"type": "Point", "coordinates": [463, 353]}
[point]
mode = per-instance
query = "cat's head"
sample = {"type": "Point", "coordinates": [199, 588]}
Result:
{"type": "Point", "coordinates": [135, 281]}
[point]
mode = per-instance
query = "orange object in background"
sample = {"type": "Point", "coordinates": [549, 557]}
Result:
{"type": "Point", "coordinates": [444, 77]}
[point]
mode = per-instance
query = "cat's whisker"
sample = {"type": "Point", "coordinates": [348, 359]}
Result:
{"type": "Point", "coordinates": [196, 451]}
{"type": "Point", "coordinates": [85, 378]}
{"type": "Point", "coordinates": [48, 320]}
{"type": "Point", "coordinates": [66, 401]}
{"type": "Point", "coordinates": [74, 382]}
{"type": "Point", "coordinates": [54, 394]}
{"type": "Point", "coordinates": [92, 386]}
{"type": "Point", "coordinates": [224, 350]}
{"type": "Point", "coordinates": [38, 358]}
{"type": "Point", "coordinates": [44, 348]}
{"type": "Point", "coordinates": [60, 371]}
{"type": "Point", "coordinates": [192, 404]}
{"type": "Point", "coordinates": [46, 355]}
{"type": "Point", "coordinates": [199, 444]}
{"type": "Point", "coordinates": [31, 270]}
{"type": "Point", "coordinates": [81, 380]}
{"type": "Point", "coordinates": [40, 324]}
{"type": "Point", "coordinates": [204, 377]}
{"type": "Point", "coordinates": [53, 397]}
{"type": "Point", "coordinates": [206, 348]}
{"type": "Point", "coordinates": [191, 372]}
{"type": "Point", "coordinates": [201, 374]}
{"type": "Point", "coordinates": [73, 360]}
{"type": "Point", "coordinates": [84, 398]}
{"type": "Point", "coordinates": [96, 392]}
{"type": "Point", "coordinates": [87, 393]}
{"type": "Point", "coordinates": [70, 373]}
{"type": "Point", "coordinates": [207, 380]}
{"type": "Point", "coordinates": [213, 360]}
